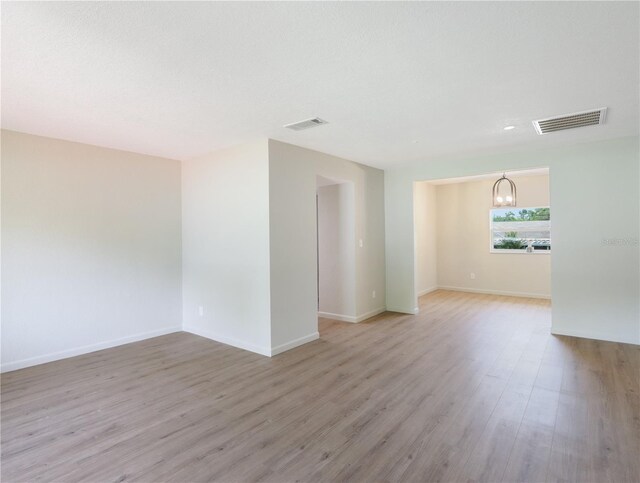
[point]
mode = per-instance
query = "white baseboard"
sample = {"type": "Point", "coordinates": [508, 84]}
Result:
{"type": "Point", "coordinates": [593, 335]}
{"type": "Point", "coordinates": [340, 317]}
{"type": "Point", "coordinates": [371, 313]}
{"type": "Point", "coordinates": [427, 290]}
{"type": "Point", "coordinates": [398, 310]}
{"type": "Point", "coordinates": [56, 356]}
{"type": "Point", "coordinates": [294, 343]}
{"type": "Point", "coordinates": [496, 292]}
{"type": "Point", "coordinates": [469, 290]}
{"type": "Point", "coordinates": [265, 351]}
{"type": "Point", "coordinates": [351, 318]}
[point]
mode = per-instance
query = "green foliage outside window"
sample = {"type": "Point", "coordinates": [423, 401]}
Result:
{"type": "Point", "coordinates": [534, 214]}
{"type": "Point", "coordinates": [507, 244]}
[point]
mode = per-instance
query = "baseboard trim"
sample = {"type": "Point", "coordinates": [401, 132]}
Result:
{"type": "Point", "coordinates": [371, 313]}
{"type": "Point", "coordinates": [223, 339]}
{"type": "Point", "coordinates": [340, 317]}
{"type": "Point", "coordinates": [592, 335]}
{"type": "Point", "coordinates": [294, 343]}
{"type": "Point", "coordinates": [413, 311]}
{"type": "Point", "coordinates": [427, 290]}
{"type": "Point", "coordinates": [351, 318]}
{"type": "Point", "coordinates": [496, 292]}
{"type": "Point", "coordinates": [78, 351]}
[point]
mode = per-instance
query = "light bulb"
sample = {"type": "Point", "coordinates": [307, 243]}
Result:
{"type": "Point", "coordinates": [509, 199]}
{"type": "Point", "coordinates": [499, 199]}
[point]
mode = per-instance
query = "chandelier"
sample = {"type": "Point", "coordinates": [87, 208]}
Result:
{"type": "Point", "coordinates": [506, 197]}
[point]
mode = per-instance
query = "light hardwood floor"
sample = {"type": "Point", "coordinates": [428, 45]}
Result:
{"type": "Point", "coordinates": [474, 388]}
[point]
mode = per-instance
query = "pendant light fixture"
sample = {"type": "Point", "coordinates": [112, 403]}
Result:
{"type": "Point", "coordinates": [506, 197]}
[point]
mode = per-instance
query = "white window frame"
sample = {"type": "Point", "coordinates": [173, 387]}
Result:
{"type": "Point", "coordinates": [515, 252]}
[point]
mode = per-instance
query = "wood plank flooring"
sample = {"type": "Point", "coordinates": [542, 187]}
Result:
{"type": "Point", "coordinates": [474, 388]}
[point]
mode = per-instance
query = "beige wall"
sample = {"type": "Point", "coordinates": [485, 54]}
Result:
{"type": "Point", "coordinates": [425, 214]}
{"type": "Point", "coordinates": [595, 282]}
{"type": "Point", "coordinates": [463, 238]}
{"type": "Point", "coordinates": [90, 248]}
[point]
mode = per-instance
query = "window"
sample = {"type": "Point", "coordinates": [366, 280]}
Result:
{"type": "Point", "coordinates": [520, 230]}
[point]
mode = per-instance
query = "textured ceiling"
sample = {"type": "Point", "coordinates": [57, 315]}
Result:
{"type": "Point", "coordinates": [397, 81]}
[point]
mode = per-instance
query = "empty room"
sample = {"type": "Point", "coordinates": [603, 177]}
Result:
{"type": "Point", "coordinates": [320, 241]}
{"type": "Point", "coordinates": [459, 248]}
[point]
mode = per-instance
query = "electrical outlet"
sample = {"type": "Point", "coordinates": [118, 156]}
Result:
{"type": "Point", "coordinates": [373, 294]}
{"type": "Point", "coordinates": [200, 310]}
{"type": "Point", "coordinates": [472, 276]}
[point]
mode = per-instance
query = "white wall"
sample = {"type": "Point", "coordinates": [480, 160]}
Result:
{"type": "Point", "coordinates": [249, 243]}
{"type": "Point", "coordinates": [337, 251]}
{"type": "Point", "coordinates": [292, 179]}
{"type": "Point", "coordinates": [596, 226]}
{"type": "Point", "coordinates": [91, 248]}
{"type": "Point", "coordinates": [92, 242]}
{"type": "Point", "coordinates": [95, 253]}
{"type": "Point", "coordinates": [225, 243]}
{"type": "Point", "coordinates": [463, 237]}
{"type": "Point", "coordinates": [425, 213]}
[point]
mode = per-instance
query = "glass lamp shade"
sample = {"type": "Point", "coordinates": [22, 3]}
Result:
{"type": "Point", "coordinates": [504, 192]}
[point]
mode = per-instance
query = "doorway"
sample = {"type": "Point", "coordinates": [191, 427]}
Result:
{"type": "Point", "coordinates": [336, 249]}
{"type": "Point", "coordinates": [463, 243]}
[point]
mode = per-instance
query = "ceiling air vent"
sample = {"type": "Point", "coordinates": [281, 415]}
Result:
{"type": "Point", "coordinates": [569, 121]}
{"type": "Point", "coordinates": [306, 124]}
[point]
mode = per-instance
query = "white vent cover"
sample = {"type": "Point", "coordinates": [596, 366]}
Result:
{"type": "Point", "coordinates": [569, 121]}
{"type": "Point", "coordinates": [306, 124]}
